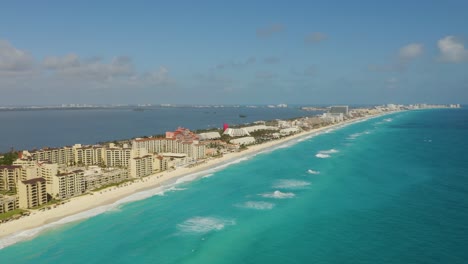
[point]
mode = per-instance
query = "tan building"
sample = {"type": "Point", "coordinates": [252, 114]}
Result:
{"type": "Point", "coordinates": [193, 149]}
{"type": "Point", "coordinates": [88, 155]}
{"type": "Point", "coordinates": [117, 156]}
{"type": "Point", "coordinates": [67, 184]}
{"type": "Point", "coordinates": [243, 141]}
{"type": "Point", "coordinates": [63, 155]}
{"type": "Point", "coordinates": [9, 175]}
{"type": "Point", "coordinates": [141, 166]}
{"type": "Point", "coordinates": [32, 193]}
{"type": "Point", "coordinates": [8, 203]}
{"type": "Point", "coordinates": [97, 177]}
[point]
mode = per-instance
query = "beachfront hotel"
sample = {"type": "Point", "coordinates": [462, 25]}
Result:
{"type": "Point", "coordinates": [8, 203]}
{"type": "Point", "coordinates": [9, 175]}
{"type": "Point", "coordinates": [97, 177]}
{"type": "Point", "coordinates": [180, 141]}
{"type": "Point", "coordinates": [141, 166]}
{"type": "Point", "coordinates": [32, 193]}
{"type": "Point", "coordinates": [67, 184]}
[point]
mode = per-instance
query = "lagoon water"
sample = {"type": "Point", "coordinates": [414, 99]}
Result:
{"type": "Point", "coordinates": [56, 128]}
{"type": "Point", "coordinates": [392, 189]}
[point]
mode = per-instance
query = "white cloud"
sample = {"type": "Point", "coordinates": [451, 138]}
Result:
{"type": "Point", "coordinates": [410, 51]}
{"type": "Point", "coordinates": [71, 66]}
{"type": "Point", "coordinates": [57, 63]}
{"type": "Point", "coordinates": [13, 59]}
{"type": "Point", "coordinates": [452, 50]}
{"type": "Point", "coordinates": [160, 76]}
{"type": "Point", "coordinates": [270, 30]}
{"type": "Point", "coordinates": [265, 75]}
{"type": "Point", "coordinates": [315, 37]}
{"type": "Point", "coordinates": [19, 71]}
{"type": "Point", "coordinates": [238, 64]}
{"type": "Point", "coordinates": [271, 60]}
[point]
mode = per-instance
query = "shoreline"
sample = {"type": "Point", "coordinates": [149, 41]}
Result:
{"type": "Point", "coordinates": [89, 205]}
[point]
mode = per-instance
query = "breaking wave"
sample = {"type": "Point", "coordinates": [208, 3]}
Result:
{"type": "Point", "coordinates": [322, 156]}
{"type": "Point", "coordinates": [330, 151]}
{"type": "Point", "coordinates": [201, 225]}
{"type": "Point", "coordinates": [313, 172]}
{"type": "Point", "coordinates": [278, 195]}
{"type": "Point", "coordinates": [257, 205]}
{"type": "Point", "coordinates": [290, 184]}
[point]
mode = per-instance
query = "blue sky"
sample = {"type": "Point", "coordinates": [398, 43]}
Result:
{"type": "Point", "coordinates": [237, 52]}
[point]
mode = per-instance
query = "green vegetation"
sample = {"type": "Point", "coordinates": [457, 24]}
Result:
{"type": "Point", "coordinates": [49, 203]}
{"type": "Point", "coordinates": [110, 185]}
{"type": "Point", "coordinates": [8, 158]}
{"type": "Point", "coordinates": [9, 192]}
{"type": "Point", "coordinates": [11, 214]}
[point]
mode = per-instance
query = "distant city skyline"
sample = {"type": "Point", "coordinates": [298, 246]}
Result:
{"type": "Point", "coordinates": [244, 52]}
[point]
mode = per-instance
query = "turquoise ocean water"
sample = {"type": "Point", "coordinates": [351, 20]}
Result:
{"type": "Point", "coordinates": [393, 189]}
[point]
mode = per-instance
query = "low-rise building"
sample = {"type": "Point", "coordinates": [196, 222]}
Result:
{"type": "Point", "coordinates": [244, 141]}
{"type": "Point", "coordinates": [236, 132]}
{"type": "Point", "coordinates": [8, 203]}
{"type": "Point", "coordinates": [339, 109]}
{"type": "Point", "coordinates": [251, 129]}
{"type": "Point", "coordinates": [96, 177]}
{"type": "Point", "coordinates": [289, 131]}
{"type": "Point", "coordinates": [209, 135]}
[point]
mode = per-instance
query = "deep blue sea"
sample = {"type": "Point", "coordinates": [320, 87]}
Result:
{"type": "Point", "coordinates": [54, 128]}
{"type": "Point", "coordinates": [392, 189]}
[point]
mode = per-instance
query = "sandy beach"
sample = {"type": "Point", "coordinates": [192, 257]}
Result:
{"type": "Point", "coordinates": [101, 201]}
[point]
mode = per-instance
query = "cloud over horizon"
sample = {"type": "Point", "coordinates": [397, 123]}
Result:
{"type": "Point", "coordinates": [13, 60]}
{"type": "Point", "coordinates": [410, 51]}
{"type": "Point", "coordinates": [270, 30]}
{"type": "Point", "coordinates": [20, 70]}
{"type": "Point", "coordinates": [315, 37]}
{"type": "Point", "coordinates": [452, 49]}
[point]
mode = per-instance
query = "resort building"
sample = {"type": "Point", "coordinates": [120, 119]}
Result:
{"type": "Point", "coordinates": [236, 132]}
{"type": "Point", "coordinates": [9, 175]}
{"type": "Point", "coordinates": [111, 156]}
{"type": "Point", "coordinates": [160, 163]}
{"type": "Point", "coordinates": [289, 131]}
{"type": "Point", "coordinates": [88, 155]}
{"type": "Point", "coordinates": [8, 203]}
{"type": "Point", "coordinates": [332, 118]}
{"type": "Point", "coordinates": [67, 184]}
{"type": "Point", "coordinates": [63, 155]}
{"type": "Point", "coordinates": [141, 166]}
{"type": "Point", "coordinates": [96, 177]}
{"type": "Point", "coordinates": [251, 129]}
{"type": "Point", "coordinates": [243, 141]}
{"type": "Point", "coordinates": [179, 141]}
{"type": "Point", "coordinates": [342, 109]}
{"type": "Point", "coordinates": [32, 193]}
{"type": "Point", "coordinates": [117, 156]}
{"type": "Point", "coordinates": [209, 135]}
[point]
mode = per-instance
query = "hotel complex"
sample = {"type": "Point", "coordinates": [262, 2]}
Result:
{"type": "Point", "coordinates": [46, 175]}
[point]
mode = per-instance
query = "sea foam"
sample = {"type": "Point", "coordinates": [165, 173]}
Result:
{"type": "Point", "coordinates": [330, 151]}
{"type": "Point", "coordinates": [278, 195]}
{"type": "Point", "coordinates": [201, 225]}
{"type": "Point", "coordinates": [322, 156]}
{"type": "Point", "coordinates": [313, 172]}
{"type": "Point", "coordinates": [290, 184]}
{"type": "Point", "coordinates": [257, 205]}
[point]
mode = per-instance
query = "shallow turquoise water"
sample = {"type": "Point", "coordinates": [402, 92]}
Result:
{"type": "Point", "coordinates": [389, 190]}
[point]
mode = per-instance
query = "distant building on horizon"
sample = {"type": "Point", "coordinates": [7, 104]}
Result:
{"type": "Point", "coordinates": [339, 109]}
